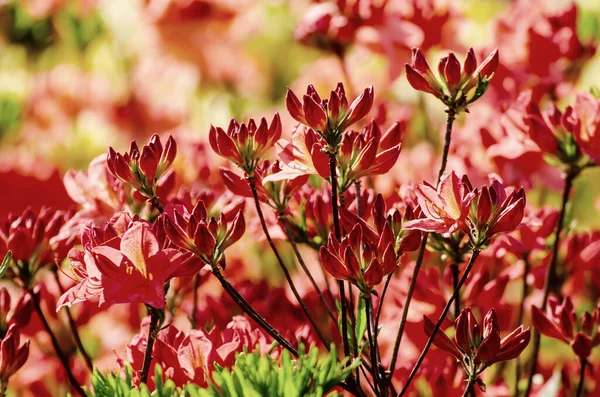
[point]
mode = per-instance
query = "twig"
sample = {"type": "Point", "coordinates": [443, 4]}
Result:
{"type": "Point", "coordinates": [61, 355]}
{"type": "Point", "coordinates": [152, 331]}
{"type": "Point", "coordinates": [551, 271]}
{"type": "Point", "coordinates": [292, 241]}
{"type": "Point", "coordinates": [74, 330]}
{"type": "Point", "coordinates": [252, 183]}
{"type": "Point", "coordinates": [451, 115]}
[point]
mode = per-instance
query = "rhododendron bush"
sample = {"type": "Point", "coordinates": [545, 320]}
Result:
{"type": "Point", "coordinates": [299, 198]}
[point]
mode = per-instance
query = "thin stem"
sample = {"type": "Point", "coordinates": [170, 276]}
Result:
{"type": "Point", "coordinates": [64, 360]}
{"type": "Point", "coordinates": [155, 202]}
{"type": "Point", "coordinates": [300, 259]}
{"type": "Point", "coordinates": [526, 269]}
{"type": "Point", "coordinates": [551, 271]}
{"type": "Point", "coordinates": [454, 270]}
{"type": "Point", "coordinates": [411, 290]}
{"type": "Point", "coordinates": [152, 331]}
{"type": "Point", "coordinates": [252, 183]}
{"type": "Point", "coordinates": [338, 234]}
{"type": "Point", "coordinates": [249, 310]}
{"type": "Point", "coordinates": [440, 321]}
{"type": "Point", "coordinates": [73, 327]}
{"type": "Point", "coordinates": [372, 344]}
{"type": "Point", "coordinates": [451, 115]}
{"type": "Point", "coordinates": [195, 300]}
{"type": "Point", "coordinates": [469, 388]}
{"type": "Point", "coordinates": [3, 387]}
{"type": "Point", "coordinates": [581, 386]}
{"type": "Point", "coordinates": [381, 298]}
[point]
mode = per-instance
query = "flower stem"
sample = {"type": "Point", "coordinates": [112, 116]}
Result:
{"type": "Point", "coordinates": [155, 202]}
{"type": "Point", "coordinates": [381, 298]}
{"type": "Point", "coordinates": [451, 115]}
{"type": "Point", "coordinates": [372, 344]}
{"type": "Point", "coordinates": [338, 233]}
{"type": "Point", "coordinates": [249, 310]}
{"type": "Point", "coordinates": [195, 300]}
{"type": "Point", "coordinates": [152, 332]}
{"type": "Point", "coordinates": [288, 277]}
{"type": "Point", "coordinates": [3, 387]}
{"type": "Point", "coordinates": [292, 241]}
{"type": "Point", "coordinates": [581, 386]}
{"type": "Point", "coordinates": [73, 327]}
{"type": "Point", "coordinates": [526, 269]}
{"type": "Point", "coordinates": [454, 270]}
{"type": "Point", "coordinates": [440, 321]}
{"type": "Point", "coordinates": [64, 360]}
{"type": "Point", "coordinates": [551, 271]}
{"type": "Point", "coordinates": [469, 388]}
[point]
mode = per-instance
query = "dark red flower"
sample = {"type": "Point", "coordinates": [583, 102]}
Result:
{"type": "Point", "coordinates": [245, 144]}
{"type": "Point", "coordinates": [143, 170]}
{"type": "Point", "coordinates": [561, 323]}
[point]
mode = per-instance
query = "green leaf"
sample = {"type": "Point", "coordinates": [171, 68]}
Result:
{"type": "Point", "coordinates": [5, 263]}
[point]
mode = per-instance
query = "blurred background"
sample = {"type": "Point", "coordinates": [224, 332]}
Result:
{"type": "Point", "coordinates": [79, 76]}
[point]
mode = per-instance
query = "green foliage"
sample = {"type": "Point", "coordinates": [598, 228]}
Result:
{"type": "Point", "coordinates": [5, 263]}
{"type": "Point", "coordinates": [256, 376]}
{"type": "Point", "coordinates": [251, 376]}
{"type": "Point", "coordinates": [113, 385]}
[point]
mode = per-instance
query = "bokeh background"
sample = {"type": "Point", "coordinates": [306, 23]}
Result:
{"type": "Point", "coordinates": [78, 76]}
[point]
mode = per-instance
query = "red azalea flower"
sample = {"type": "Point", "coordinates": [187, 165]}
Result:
{"type": "Point", "coordinates": [35, 241]}
{"type": "Point", "coordinates": [571, 137]}
{"type": "Point", "coordinates": [494, 211]}
{"type": "Point", "coordinates": [362, 257]}
{"type": "Point", "coordinates": [367, 152]}
{"type": "Point", "coordinates": [587, 109]}
{"type": "Point", "coordinates": [245, 144]}
{"type": "Point", "coordinates": [454, 85]}
{"type": "Point", "coordinates": [205, 237]}
{"type": "Point", "coordinates": [477, 350]}
{"type": "Point", "coordinates": [445, 209]}
{"type": "Point", "coordinates": [330, 117]}
{"type": "Point", "coordinates": [304, 154]}
{"type": "Point", "coordinates": [562, 324]}
{"type": "Point", "coordinates": [143, 170]}
{"type": "Point", "coordinates": [12, 354]}
{"type": "Point", "coordinates": [124, 262]}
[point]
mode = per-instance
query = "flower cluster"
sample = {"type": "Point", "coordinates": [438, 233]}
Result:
{"type": "Point", "coordinates": [456, 87]}
{"type": "Point", "coordinates": [329, 117]}
{"type": "Point", "coordinates": [480, 214]}
{"type": "Point", "coordinates": [561, 323]}
{"type": "Point", "coordinates": [479, 347]}
{"type": "Point", "coordinates": [143, 170]}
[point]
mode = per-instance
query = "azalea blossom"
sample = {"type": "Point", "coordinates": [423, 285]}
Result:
{"type": "Point", "coordinates": [245, 144]}
{"type": "Point", "coordinates": [329, 117]}
{"type": "Point", "coordinates": [478, 347]}
{"type": "Point", "coordinates": [367, 152]}
{"type": "Point", "coordinates": [203, 236]}
{"type": "Point", "coordinates": [455, 87]}
{"type": "Point", "coordinates": [562, 323]}
{"type": "Point", "coordinates": [124, 262]}
{"type": "Point", "coordinates": [362, 257]}
{"type": "Point", "coordinates": [13, 354]}
{"type": "Point", "coordinates": [143, 169]}
{"type": "Point", "coordinates": [445, 208]}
